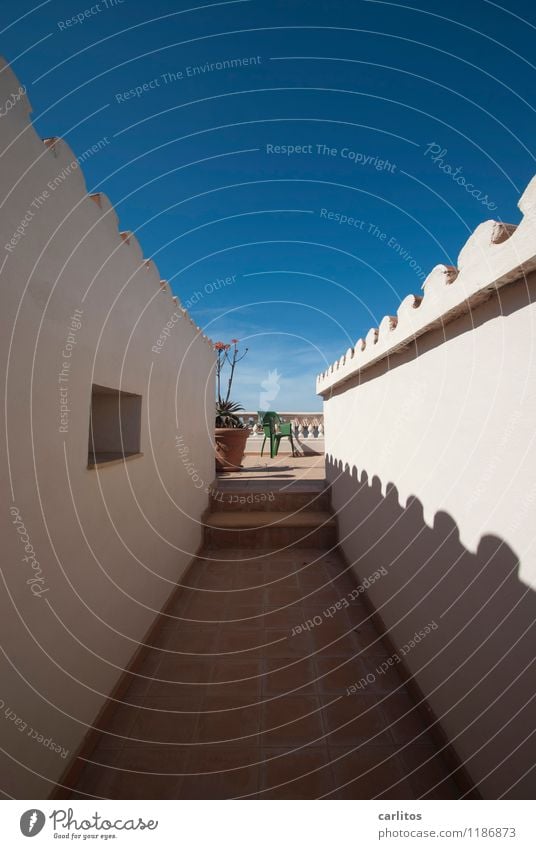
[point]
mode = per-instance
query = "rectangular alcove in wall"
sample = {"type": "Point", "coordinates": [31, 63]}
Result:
{"type": "Point", "coordinates": [114, 426]}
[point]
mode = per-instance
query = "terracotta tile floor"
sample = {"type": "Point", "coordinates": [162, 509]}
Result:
{"type": "Point", "coordinates": [282, 472]}
{"type": "Point", "coordinates": [239, 707]}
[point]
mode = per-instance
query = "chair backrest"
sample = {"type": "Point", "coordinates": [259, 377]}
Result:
{"type": "Point", "coordinates": [268, 416]}
{"type": "Point", "coordinates": [269, 419]}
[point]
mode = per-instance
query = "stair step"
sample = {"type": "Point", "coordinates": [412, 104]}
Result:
{"type": "Point", "coordinates": [264, 519]}
{"type": "Point", "coordinates": [263, 529]}
{"type": "Point", "coordinates": [226, 500]}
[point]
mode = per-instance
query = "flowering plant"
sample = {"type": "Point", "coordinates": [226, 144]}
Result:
{"type": "Point", "coordinates": [227, 410]}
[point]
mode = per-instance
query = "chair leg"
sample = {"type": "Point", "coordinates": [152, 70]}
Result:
{"type": "Point", "coordinates": [292, 445]}
{"type": "Point", "coordinates": [277, 443]}
{"type": "Point", "coordinates": [263, 444]}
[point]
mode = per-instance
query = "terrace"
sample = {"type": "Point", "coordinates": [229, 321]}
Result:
{"type": "Point", "coordinates": [266, 675]}
{"type": "Point", "coordinates": [354, 622]}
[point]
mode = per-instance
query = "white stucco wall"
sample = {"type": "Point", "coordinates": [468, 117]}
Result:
{"type": "Point", "coordinates": [110, 542]}
{"type": "Point", "coordinates": [432, 458]}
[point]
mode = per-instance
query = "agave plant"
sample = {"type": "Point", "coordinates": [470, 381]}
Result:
{"type": "Point", "coordinates": [227, 410]}
{"type": "Point", "coordinates": [227, 414]}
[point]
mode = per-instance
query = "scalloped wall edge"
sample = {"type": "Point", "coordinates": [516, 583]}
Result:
{"type": "Point", "coordinates": [60, 149]}
{"type": "Point", "coordinates": [13, 86]}
{"type": "Point", "coordinates": [495, 255]}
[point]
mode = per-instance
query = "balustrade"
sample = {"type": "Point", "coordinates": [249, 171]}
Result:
{"type": "Point", "coordinates": [305, 425]}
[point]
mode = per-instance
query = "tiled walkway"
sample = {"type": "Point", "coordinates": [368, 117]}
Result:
{"type": "Point", "coordinates": [235, 705]}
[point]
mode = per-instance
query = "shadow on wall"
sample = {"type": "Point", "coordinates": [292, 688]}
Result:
{"type": "Point", "coordinates": [477, 668]}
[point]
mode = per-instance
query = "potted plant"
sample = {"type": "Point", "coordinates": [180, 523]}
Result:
{"type": "Point", "coordinates": [230, 433]}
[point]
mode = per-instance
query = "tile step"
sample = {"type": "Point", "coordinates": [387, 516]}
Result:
{"type": "Point", "coordinates": [262, 519]}
{"type": "Point", "coordinates": [269, 500]}
{"type": "Point", "coordinates": [275, 530]}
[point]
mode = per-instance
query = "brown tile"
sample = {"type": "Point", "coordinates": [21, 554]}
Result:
{"type": "Point", "coordinates": [406, 720]}
{"type": "Point", "coordinates": [286, 674]}
{"type": "Point", "coordinates": [221, 722]}
{"type": "Point", "coordinates": [284, 579]}
{"type": "Point", "coordinates": [281, 643]}
{"type": "Point", "coordinates": [369, 772]}
{"type": "Point", "coordinates": [278, 568]}
{"type": "Point", "coordinates": [200, 641]}
{"type": "Point", "coordinates": [336, 675]}
{"type": "Point", "coordinates": [179, 619]}
{"type": "Point", "coordinates": [215, 583]}
{"type": "Point", "coordinates": [246, 573]}
{"type": "Point", "coordinates": [184, 623]}
{"type": "Point", "coordinates": [237, 670]}
{"type": "Point", "coordinates": [319, 594]}
{"type": "Point", "coordinates": [301, 774]}
{"type": "Point", "coordinates": [283, 618]}
{"type": "Point", "coordinates": [240, 644]}
{"type": "Point", "coordinates": [247, 617]}
{"type": "Point", "coordinates": [170, 761]}
{"type": "Point", "coordinates": [370, 645]}
{"type": "Point", "coordinates": [162, 723]}
{"type": "Point", "coordinates": [314, 574]}
{"type": "Point", "coordinates": [94, 781]}
{"type": "Point", "coordinates": [200, 787]}
{"type": "Point", "coordinates": [243, 782]}
{"type": "Point", "coordinates": [291, 611]}
{"type": "Point", "coordinates": [139, 785]}
{"type": "Point", "coordinates": [239, 691]}
{"type": "Point", "coordinates": [359, 616]}
{"type": "Point", "coordinates": [178, 695]}
{"type": "Point", "coordinates": [354, 719]}
{"type": "Point", "coordinates": [146, 772]}
{"type": "Point", "coordinates": [291, 720]}
{"type": "Point", "coordinates": [221, 773]}
{"type": "Point", "coordinates": [330, 644]}
{"type": "Point", "coordinates": [95, 776]}
{"type": "Point", "coordinates": [386, 678]}
{"type": "Point", "coordinates": [278, 595]}
{"type": "Point", "coordinates": [243, 598]}
{"type": "Point", "coordinates": [103, 754]}
{"type": "Point", "coordinates": [238, 680]}
{"type": "Point", "coordinates": [326, 629]}
{"type": "Point", "coordinates": [319, 598]}
{"type": "Point", "coordinates": [180, 668]}
{"type": "Point", "coordinates": [207, 607]}
{"type": "Point", "coordinates": [225, 568]}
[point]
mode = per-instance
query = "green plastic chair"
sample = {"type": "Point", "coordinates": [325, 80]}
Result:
{"type": "Point", "coordinates": [274, 430]}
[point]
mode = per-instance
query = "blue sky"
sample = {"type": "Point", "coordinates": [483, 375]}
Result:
{"type": "Point", "coordinates": [379, 100]}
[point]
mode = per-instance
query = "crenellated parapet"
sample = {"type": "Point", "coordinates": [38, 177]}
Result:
{"type": "Point", "coordinates": [495, 255]}
{"type": "Point", "coordinates": [67, 166]}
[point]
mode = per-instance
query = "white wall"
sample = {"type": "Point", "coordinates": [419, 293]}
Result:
{"type": "Point", "coordinates": [431, 456]}
{"type": "Point", "coordinates": [110, 542]}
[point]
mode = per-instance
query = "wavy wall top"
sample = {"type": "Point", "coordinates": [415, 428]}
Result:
{"type": "Point", "coordinates": [16, 107]}
{"type": "Point", "coordinates": [494, 255]}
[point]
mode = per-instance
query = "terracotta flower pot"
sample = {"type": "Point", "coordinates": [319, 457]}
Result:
{"type": "Point", "coordinates": [230, 447]}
